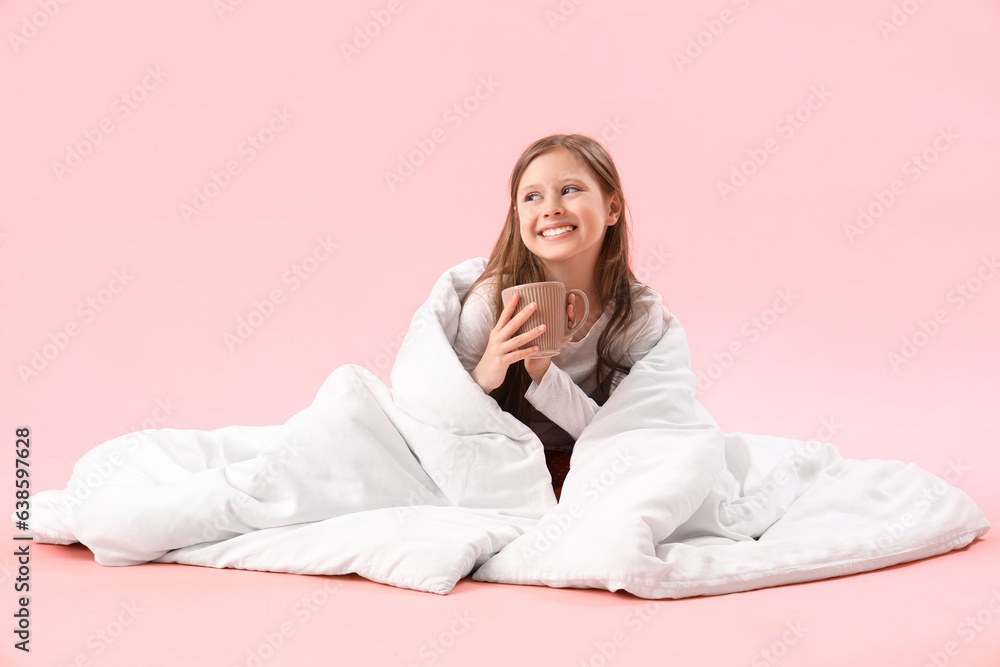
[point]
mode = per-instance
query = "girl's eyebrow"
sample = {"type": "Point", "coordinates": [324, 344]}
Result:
{"type": "Point", "coordinates": [562, 179]}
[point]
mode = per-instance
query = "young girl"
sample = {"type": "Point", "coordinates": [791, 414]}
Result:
{"type": "Point", "coordinates": [566, 222]}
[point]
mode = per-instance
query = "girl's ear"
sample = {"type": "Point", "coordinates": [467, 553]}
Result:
{"type": "Point", "coordinates": [614, 208]}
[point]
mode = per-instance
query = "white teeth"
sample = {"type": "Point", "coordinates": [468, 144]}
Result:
{"type": "Point", "coordinates": [557, 231]}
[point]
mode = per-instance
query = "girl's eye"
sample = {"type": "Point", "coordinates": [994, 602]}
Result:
{"type": "Point", "coordinates": [535, 194]}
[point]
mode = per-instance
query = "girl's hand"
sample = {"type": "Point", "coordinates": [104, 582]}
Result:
{"type": "Point", "coordinates": [537, 367]}
{"type": "Point", "coordinates": [569, 316]}
{"type": "Point", "coordinates": [502, 349]}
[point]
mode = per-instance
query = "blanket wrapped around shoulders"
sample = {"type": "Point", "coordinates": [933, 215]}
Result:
{"type": "Point", "coordinates": [429, 481]}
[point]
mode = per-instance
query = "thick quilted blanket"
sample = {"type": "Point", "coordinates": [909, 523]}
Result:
{"type": "Point", "coordinates": [429, 481]}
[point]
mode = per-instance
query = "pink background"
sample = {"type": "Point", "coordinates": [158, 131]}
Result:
{"type": "Point", "coordinates": [610, 70]}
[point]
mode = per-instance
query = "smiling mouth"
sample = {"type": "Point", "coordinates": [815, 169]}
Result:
{"type": "Point", "coordinates": [557, 231]}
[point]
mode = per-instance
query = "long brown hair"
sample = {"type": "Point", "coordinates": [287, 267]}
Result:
{"type": "Point", "coordinates": [511, 263]}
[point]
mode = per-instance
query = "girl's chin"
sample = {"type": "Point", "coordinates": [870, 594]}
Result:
{"type": "Point", "coordinates": [554, 257]}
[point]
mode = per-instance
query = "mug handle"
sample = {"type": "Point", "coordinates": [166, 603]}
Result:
{"type": "Point", "coordinates": [586, 309]}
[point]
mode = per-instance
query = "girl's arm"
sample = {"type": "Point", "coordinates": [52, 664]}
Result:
{"type": "Point", "coordinates": [549, 397]}
{"type": "Point", "coordinates": [474, 326]}
{"type": "Point", "coordinates": [557, 396]}
{"type": "Point", "coordinates": [560, 399]}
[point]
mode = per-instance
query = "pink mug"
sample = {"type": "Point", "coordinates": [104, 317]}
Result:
{"type": "Point", "coordinates": [551, 297]}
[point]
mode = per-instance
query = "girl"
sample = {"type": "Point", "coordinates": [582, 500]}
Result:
{"type": "Point", "coordinates": [566, 222]}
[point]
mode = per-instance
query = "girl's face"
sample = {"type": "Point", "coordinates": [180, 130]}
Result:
{"type": "Point", "coordinates": [556, 191]}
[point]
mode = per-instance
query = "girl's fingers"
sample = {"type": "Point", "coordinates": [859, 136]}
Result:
{"type": "Point", "coordinates": [522, 351]}
{"type": "Point", "coordinates": [509, 323]}
{"type": "Point", "coordinates": [518, 354]}
{"type": "Point", "coordinates": [507, 314]}
{"type": "Point", "coordinates": [528, 335]}
{"type": "Point", "coordinates": [518, 320]}
{"type": "Point", "coordinates": [527, 312]}
{"type": "Point", "coordinates": [509, 308]}
{"type": "Point", "coordinates": [514, 346]}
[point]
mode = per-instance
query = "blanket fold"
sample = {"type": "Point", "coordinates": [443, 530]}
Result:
{"type": "Point", "coordinates": [430, 481]}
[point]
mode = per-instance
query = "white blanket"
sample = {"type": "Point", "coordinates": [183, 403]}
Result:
{"type": "Point", "coordinates": [427, 482]}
